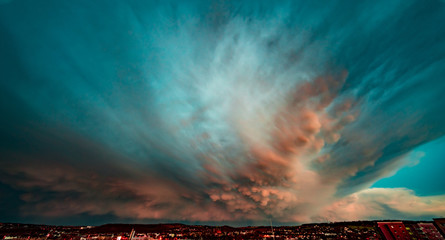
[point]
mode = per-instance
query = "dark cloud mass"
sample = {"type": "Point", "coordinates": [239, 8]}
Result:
{"type": "Point", "coordinates": [212, 111]}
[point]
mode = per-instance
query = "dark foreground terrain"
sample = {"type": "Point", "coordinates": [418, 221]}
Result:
{"type": "Point", "coordinates": [342, 230]}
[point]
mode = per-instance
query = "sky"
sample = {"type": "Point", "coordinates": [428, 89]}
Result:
{"type": "Point", "coordinates": [221, 112]}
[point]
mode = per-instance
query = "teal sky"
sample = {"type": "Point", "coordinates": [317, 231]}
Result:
{"type": "Point", "coordinates": [425, 175]}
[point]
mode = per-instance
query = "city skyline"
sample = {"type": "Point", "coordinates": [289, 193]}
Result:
{"type": "Point", "coordinates": [221, 112]}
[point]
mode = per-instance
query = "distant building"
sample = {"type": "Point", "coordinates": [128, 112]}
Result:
{"type": "Point", "coordinates": [430, 231]}
{"type": "Point", "coordinates": [410, 230]}
{"type": "Point", "coordinates": [415, 231]}
{"type": "Point", "coordinates": [394, 230]}
{"type": "Point", "coordinates": [440, 225]}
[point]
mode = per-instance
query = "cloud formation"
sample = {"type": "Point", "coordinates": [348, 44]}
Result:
{"type": "Point", "coordinates": [384, 203]}
{"type": "Point", "coordinates": [218, 112]}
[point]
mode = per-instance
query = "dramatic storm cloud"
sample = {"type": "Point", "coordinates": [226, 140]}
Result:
{"type": "Point", "coordinates": [218, 112]}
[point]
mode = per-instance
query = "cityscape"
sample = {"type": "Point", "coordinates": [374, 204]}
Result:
{"type": "Point", "coordinates": [386, 230]}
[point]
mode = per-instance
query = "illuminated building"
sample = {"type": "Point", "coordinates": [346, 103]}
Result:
{"type": "Point", "coordinates": [394, 230]}
{"type": "Point", "coordinates": [430, 231]}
